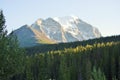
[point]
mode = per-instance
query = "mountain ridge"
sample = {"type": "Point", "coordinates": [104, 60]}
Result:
{"type": "Point", "coordinates": [56, 30]}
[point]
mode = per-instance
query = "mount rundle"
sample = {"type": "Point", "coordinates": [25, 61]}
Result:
{"type": "Point", "coordinates": [55, 30]}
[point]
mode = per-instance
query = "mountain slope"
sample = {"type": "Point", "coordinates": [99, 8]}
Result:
{"type": "Point", "coordinates": [56, 30]}
{"type": "Point", "coordinates": [63, 46]}
{"type": "Point", "coordinates": [25, 36]}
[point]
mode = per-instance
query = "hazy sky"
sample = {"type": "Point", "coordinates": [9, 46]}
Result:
{"type": "Point", "coordinates": [103, 14]}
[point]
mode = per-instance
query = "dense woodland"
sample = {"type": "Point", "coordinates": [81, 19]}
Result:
{"type": "Point", "coordinates": [97, 59]}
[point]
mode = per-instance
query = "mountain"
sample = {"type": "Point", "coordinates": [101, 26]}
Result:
{"type": "Point", "coordinates": [55, 30]}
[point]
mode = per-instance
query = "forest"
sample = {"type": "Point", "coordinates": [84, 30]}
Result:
{"type": "Point", "coordinates": [97, 59]}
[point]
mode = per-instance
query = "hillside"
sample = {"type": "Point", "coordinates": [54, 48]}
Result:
{"type": "Point", "coordinates": [62, 46]}
{"type": "Point", "coordinates": [96, 59]}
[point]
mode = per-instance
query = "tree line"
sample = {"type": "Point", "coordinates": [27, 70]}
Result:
{"type": "Point", "coordinates": [61, 46]}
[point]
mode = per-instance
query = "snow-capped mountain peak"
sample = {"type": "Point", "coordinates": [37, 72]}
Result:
{"type": "Point", "coordinates": [66, 19]}
{"type": "Point", "coordinates": [74, 17]}
{"type": "Point", "coordinates": [58, 29]}
{"type": "Point", "coordinates": [39, 21]}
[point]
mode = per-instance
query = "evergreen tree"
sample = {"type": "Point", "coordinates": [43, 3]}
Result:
{"type": "Point", "coordinates": [2, 25]}
{"type": "Point", "coordinates": [97, 74]}
{"type": "Point", "coordinates": [11, 56]}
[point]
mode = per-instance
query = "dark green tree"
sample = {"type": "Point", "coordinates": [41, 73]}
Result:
{"type": "Point", "coordinates": [97, 74]}
{"type": "Point", "coordinates": [11, 56]}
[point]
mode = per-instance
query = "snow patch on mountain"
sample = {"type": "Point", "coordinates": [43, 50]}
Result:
{"type": "Point", "coordinates": [58, 29]}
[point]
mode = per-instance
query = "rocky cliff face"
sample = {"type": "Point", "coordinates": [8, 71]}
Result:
{"type": "Point", "coordinates": [56, 30]}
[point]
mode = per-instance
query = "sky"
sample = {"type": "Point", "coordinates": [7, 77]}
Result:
{"type": "Point", "coordinates": [103, 14]}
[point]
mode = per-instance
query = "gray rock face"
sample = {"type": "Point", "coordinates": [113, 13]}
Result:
{"type": "Point", "coordinates": [55, 30]}
{"type": "Point", "coordinates": [25, 36]}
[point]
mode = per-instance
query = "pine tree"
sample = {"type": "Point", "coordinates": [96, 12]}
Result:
{"type": "Point", "coordinates": [97, 74]}
{"type": "Point", "coordinates": [64, 73]}
{"type": "Point", "coordinates": [11, 56]}
{"type": "Point", "coordinates": [2, 25]}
